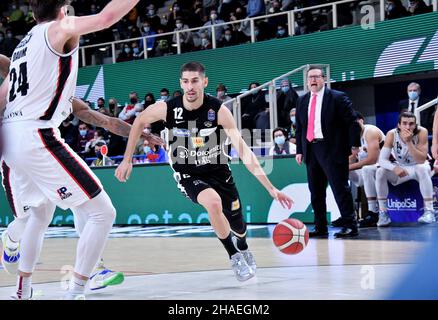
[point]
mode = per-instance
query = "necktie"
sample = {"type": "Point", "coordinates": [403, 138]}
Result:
{"type": "Point", "coordinates": [412, 106]}
{"type": "Point", "coordinates": [311, 123]}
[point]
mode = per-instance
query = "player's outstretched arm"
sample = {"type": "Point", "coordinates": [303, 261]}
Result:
{"type": "Point", "coordinates": [226, 120]}
{"type": "Point", "coordinates": [4, 66]}
{"type": "Point", "coordinates": [153, 113]}
{"type": "Point", "coordinates": [114, 125]}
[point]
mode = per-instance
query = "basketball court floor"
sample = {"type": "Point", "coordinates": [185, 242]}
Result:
{"type": "Point", "coordinates": [189, 263]}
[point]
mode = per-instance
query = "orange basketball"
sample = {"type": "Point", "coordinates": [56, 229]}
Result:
{"type": "Point", "coordinates": [290, 236]}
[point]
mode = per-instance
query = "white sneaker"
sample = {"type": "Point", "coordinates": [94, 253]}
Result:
{"type": "Point", "coordinates": [103, 277]}
{"type": "Point", "coordinates": [10, 257]}
{"type": "Point", "coordinates": [241, 269]}
{"type": "Point", "coordinates": [16, 297]}
{"type": "Point", "coordinates": [73, 296]}
{"type": "Point", "coordinates": [250, 260]}
{"type": "Point", "coordinates": [384, 219]}
{"type": "Point", "coordinates": [427, 217]}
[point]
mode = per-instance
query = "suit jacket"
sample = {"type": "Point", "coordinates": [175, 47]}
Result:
{"type": "Point", "coordinates": [426, 116]}
{"type": "Point", "coordinates": [339, 126]}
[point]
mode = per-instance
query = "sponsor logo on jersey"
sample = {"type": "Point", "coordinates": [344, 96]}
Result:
{"type": "Point", "coordinates": [63, 193]}
{"type": "Point", "coordinates": [207, 132]}
{"type": "Point", "coordinates": [181, 132]}
{"type": "Point", "coordinates": [235, 205]}
{"type": "Point", "coordinates": [211, 115]}
{"type": "Point", "coordinates": [26, 208]}
{"type": "Point", "coordinates": [208, 124]}
{"type": "Point", "coordinates": [198, 142]}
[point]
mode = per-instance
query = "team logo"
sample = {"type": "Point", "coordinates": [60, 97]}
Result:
{"type": "Point", "coordinates": [26, 208]}
{"type": "Point", "coordinates": [198, 142]}
{"type": "Point", "coordinates": [63, 193]}
{"type": "Point", "coordinates": [182, 152]}
{"type": "Point", "coordinates": [211, 115]}
{"type": "Point", "coordinates": [235, 205]}
{"type": "Point", "coordinates": [208, 124]}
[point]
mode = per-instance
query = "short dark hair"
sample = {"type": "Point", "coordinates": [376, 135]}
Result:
{"type": "Point", "coordinates": [164, 90]}
{"type": "Point", "coordinates": [46, 10]}
{"type": "Point", "coordinates": [316, 68]}
{"type": "Point", "coordinates": [358, 115]}
{"type": "Point", "coordinates": [279, 129]}
{"type": "Point", "coordinates": [193, 66]}
{"type": "Point", "coordinates": [406, 114]}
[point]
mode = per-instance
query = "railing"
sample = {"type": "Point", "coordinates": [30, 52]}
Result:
{"type": "Point", "coordinates": [291, 22]}
{"type": "Point", "coordinates": [272, 92]}
{"type": "Point", "coordinates": [425, 106]}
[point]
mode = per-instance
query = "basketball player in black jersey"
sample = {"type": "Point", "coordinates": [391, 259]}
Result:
{"type": "Point", "coordinates": [198, 129]}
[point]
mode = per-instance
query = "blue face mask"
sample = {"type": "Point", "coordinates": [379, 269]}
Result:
{"type": "Point", "coordinates": [147, 149]}
{"type": "Point", "coordinates": [83, 132]}
{"type": "Point", "coordinates": [413, 95]}
{"type": "Point", "coordinates": [136, 50]}
{"type": "Point", "coordinates": [281, 32]}
{"type": "Point", "coordinates": [293, 119]}
{"type": "Point", "coordinates": [285, 89]}
{"type": "Point", "coordinates": [127, 50]}
{"type": "Point", "coordinates": [280, 140]}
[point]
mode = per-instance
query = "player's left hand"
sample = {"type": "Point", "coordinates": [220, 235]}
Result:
{"type": "Point", "coordinates": [406, 135]}
{"type": "Point", "coordinates": [152, 138]}
{"type": "Point", "coordinates": [285, 201]}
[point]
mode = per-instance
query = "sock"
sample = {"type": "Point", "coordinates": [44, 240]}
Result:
{"type": "Point", "coordinates": [382, 205]}
{"type": "Point", "coordinates": [24, 287]}
{"type": "Point", "coordinates": [241, 242]}
{"type": "Point", "coordinates": [76, 285]}
{"type": "Point", "coordinates": [11, 244]}
{"type": "Point", "coordinates": [373, 206]}
{"type": "Point", "coordinates": [428, 205]}
{"type": "Point", "coordinates": [229, 245]}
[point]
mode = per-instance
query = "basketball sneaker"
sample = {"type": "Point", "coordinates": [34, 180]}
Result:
{"type": "Point", "coordinates": [73, 296]}
{"type": "Point", "coordinates": [250, 260]}
{"type": "Point", "coordinates": [15, 296]}
{"type": "Point", "coordinates": [427, 217]}
{"type": "Point", "coordinates": [103, 277]}
{"type": "Point", "coordinates": [241, 269]}
{"type": "Point", "coordinates": [384, 219]}
{"type": "Point", "coordinates": [10, 256]}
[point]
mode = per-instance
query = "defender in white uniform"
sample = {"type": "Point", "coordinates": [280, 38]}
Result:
{"type": "Point", "coordinates": [408, 142]}
{"type": "Point", "coordinates": [363, 167]}
{"type": "Point", "coordinates": [37, 164]}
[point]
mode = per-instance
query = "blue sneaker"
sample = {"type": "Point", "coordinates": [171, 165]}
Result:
{"type": "Point", "coordinates": [10, 257]}
{"type": "Point", "coordinates": [104, 277]}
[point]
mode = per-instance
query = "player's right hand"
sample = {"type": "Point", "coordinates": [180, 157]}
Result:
{"type": "Point", "coordinates": [123, 171]}
{"type": "Point", "coordinates": [400, 172]}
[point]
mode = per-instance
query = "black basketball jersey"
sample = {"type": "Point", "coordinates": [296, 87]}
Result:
{"type": "Point", "coordinates": [197, 144]}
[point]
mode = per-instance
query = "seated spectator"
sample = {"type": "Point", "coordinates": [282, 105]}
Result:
{"type": "Point", "coordinates": [114, 107]}
{"type": "Point", "coordinates": [101, 106]}
{"type": "Point", "coordinates": [286, 99]}
{"type": "Point", "coordinates": [395, 9]}
{"type": "Point", "coordinates": [164, 94]}
{"type": "Point", "coordinates": [126, 54]}
{"type": "Point", "coordinates": [228, 39]}
{"type": "Point", "coordinates": [185, 38]}
{"type": "Point", "coordinates": [175, 13]}
{"type": "Point", "coordinates": [252, 105]}
{"type": "Point", "coordinates": [281, 32]}
{"type": "Point", "coordinates": [85, 135]}
{"type": "Point", "coordinates": [99, 135]}
{"type": "Point", "coordinates": [205, 42]}
{"type": "Point", "coordinates": [152, 17]}
{"type": "Point", "coordinates": [152, 154]}
{"type": "Point", "coordinates": [291, 131]}
{"type": "Point", "coordinates": [163, 44]}
{"type": "Point", "coordinates": [131, 109]}
{"type": "Point", "coordinates": [101, 159]}
{"type": "Point", "coordinates": [218, 31]}
{"type": "Point", "coordinates": [177, 93]}
{"type": "Point", "coordinates": [221, 94]}
{"type": "Point", "coordinates": [69, 132]}
{"type": "Point", "coordinates": [281, 145]}
{"type": "Point", "coordinates": [418, 7]}
{"type": "Point", "coordinates": [149, 99]}
{"type": "Point", "coordinates": [137, 53]}
{"type": "Point", "coordinates": [226, 7]}
{"type": "Point", "coordinates": [148, 31]}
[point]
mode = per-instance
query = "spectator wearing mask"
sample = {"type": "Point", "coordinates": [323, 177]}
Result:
{"type": "Point", "coordinates": [147, 30]}
{"type": "Point", "coordinates": [252, 105]}
{"type": "Point", "coordinates": [164, 94]}
{"type": "Point", "coordinates": [99, 135]}
{"type": "Point", "coordinates": [101, 160]}
{"type": "Point", "coordinates": [153, 154]}
{"type": "Point", "coordinates": [137, 53]}
{"type": "Point", "coordinates": [293, 127]}
{"type": "Point", "coordinates": [152, 17]}
{"type": "Point", "coordinates": [114, 107]}
{"type": "Point", "coordinates": [85, 135]}
{"type": "Point", "coordinates": [418, 7]}
{"type": "Point", "coordinates": [286, 99]}
{"type": "Point", "coordinates": [126, 54]}
{"type": "Point", "coordinates": [281, 32]}
{"type": "Point", "coordinates": [228, 39]}
{"type": "Point", "coordinates": [214, 20]}
{"type": "Point", "coordinates": [185, 38]}
{"type": "Point", "coordinates": [394, 9]}
{"type": "Point", "coordinates": [101, 106]}
{"type": "Point", "coordinates": [281, 145]}
{"type": "Point", "coordinates": [221, 94]}
{"type": "Point", "coordinates": [131, 109]}
{"type": "Point", "coordinates": [148, 100]}
{"type": "Point", "coordinates": [69, 132]}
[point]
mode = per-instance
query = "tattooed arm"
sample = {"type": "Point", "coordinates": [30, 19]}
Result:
{"type": "Point", "coordinates": [114, 125]}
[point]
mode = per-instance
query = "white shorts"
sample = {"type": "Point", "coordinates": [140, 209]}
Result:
{"type": "Point", "coordinates": [38, 166]}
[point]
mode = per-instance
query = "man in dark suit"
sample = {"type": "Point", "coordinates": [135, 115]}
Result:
{"type": "Point", "coordinates": [415, 101]}
{"type": "Point", "coordinates": [326, 133]}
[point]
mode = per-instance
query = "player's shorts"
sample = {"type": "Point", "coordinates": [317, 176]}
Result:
{"type": "Point", "coordinates": [38, 166]}
{"type": "Point", "coordinates": [220, 180]}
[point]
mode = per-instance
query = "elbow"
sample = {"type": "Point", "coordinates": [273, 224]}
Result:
{"type": "Point", "coordinates": [106, 19]}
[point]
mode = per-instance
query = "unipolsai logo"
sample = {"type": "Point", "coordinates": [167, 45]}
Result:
{"type": "Point", "coordinates": [405, 204]}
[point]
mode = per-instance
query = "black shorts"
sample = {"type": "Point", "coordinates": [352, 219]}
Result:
{"type": "Point", "coordinates": [221, 181]}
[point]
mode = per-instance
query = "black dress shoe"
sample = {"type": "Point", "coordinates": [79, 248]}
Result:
{"type": "Point", "coordinates": [369, 222]}
{"type": "Point", "coordinates": [347, 233]}
{"type": "Point", "coordinates": [338, 222]}
{"type": "Point", "coordinates": [318, 234]}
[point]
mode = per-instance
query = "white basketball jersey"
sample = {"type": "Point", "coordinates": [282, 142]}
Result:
{"type": "Point", "coordinates": [401, 151]}
{"type": "Point", "coordinates": [41, 81]}
{"type": "Point", "coordinates": [363, 153]}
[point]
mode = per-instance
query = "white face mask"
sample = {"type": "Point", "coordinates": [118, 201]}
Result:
{"type": "Point", "coordinates": [179, 25]}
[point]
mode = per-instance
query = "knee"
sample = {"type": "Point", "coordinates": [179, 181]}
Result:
{"type": "Point", "coordinates": [214, 205]}
{"type": "Point", "coordinates": [368, 171]}
{"type": "Point", "coordinates": [423, 171]}
{"type": "Point", "coordinates": [380, 175]}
